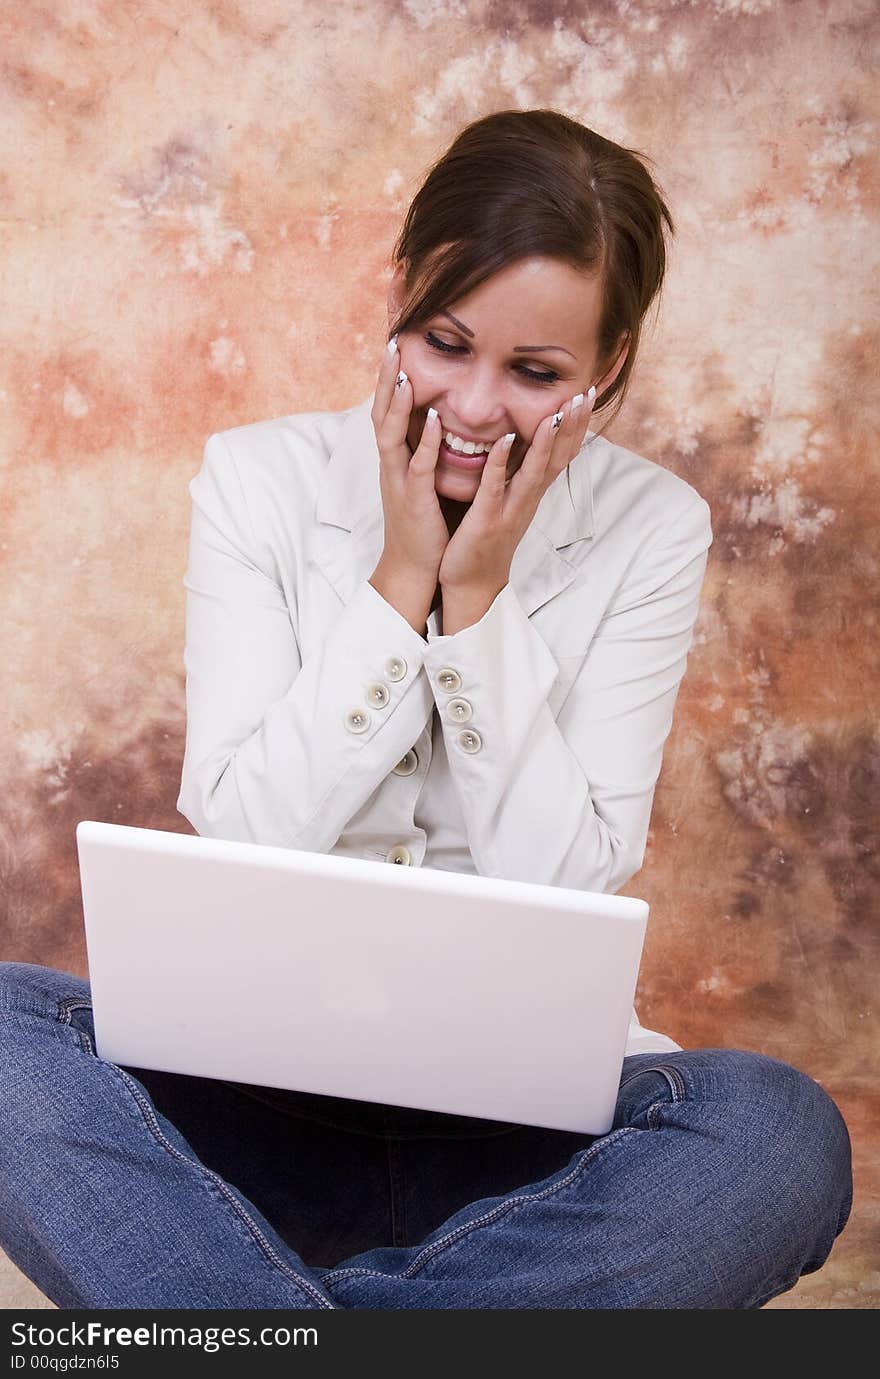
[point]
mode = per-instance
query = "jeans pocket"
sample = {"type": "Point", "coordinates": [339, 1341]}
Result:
{"type": "Point", "coordinates": [78, 1016]}
{"type": "Point", "coordinates": [637, 1105]}
{"type": "Point", "coordinates": [672, 1075]}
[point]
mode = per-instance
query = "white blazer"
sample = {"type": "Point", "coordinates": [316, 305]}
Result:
{"type": "Point", "coordinates": [527, 745]}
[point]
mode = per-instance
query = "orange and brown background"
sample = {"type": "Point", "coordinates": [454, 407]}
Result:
{"type": "Point", "coordinates": [198, 208]}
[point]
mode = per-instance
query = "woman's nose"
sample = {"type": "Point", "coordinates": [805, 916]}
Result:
{"type": "Point", "coordinates": [474, 405]}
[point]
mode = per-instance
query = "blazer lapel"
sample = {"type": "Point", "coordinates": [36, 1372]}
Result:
{"type": "Point", "coordinates": [350, 532]}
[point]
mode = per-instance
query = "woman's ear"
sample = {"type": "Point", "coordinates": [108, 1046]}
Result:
{"type": "Point", "coordinates": [609, 376]}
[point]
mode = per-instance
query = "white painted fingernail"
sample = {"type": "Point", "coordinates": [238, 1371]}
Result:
{"type": "Point", "coordinates": [507, 441]}
{"type": "Point", "coordinates": [557, 422]}
{"type": "Point", "coordinates": [432, 412]}
{"type": "Point", "coordinates": [576, 402]}
{"type": "Point", "coordinates": [392, 344]}
{"type": "Point", "coordinates": [400, 380]}
{"type": "Point", "coordinates": [591, 395]}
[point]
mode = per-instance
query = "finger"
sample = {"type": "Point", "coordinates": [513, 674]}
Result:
{"type": "Point", "coordinates": [534, 466]}
{"type": "Point", "coordinates": [388, 371]}
{"type": "Point", "coordinates": [582, 404]}
{"type": "Point", "coordinates": [568, 427]}
{"type": "Point", "coordinates": [392, 432]}
{"type": "Point", "coordinates": [493, 480]}
{"type": "Point", "coordinates": [564, 429]}
{"type": "Point", "coordinates": [567, 436]}
{"type": "Point", "coordinates": [424, 460]}
{"type": "Point", "coordinates": [581, 412]}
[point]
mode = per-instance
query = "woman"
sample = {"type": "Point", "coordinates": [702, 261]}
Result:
{"type": "Point", "coordinates": [401, 649]}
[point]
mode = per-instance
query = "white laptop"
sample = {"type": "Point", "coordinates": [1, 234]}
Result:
{"type": "Point", "coordinates": [448, 992]}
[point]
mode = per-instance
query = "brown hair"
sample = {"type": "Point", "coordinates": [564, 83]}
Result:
{"type": "Point", "coordinates": [523, 183]}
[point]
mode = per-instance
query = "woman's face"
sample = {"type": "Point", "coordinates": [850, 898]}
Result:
{"type": "Point", "coordinates": [501, 359]}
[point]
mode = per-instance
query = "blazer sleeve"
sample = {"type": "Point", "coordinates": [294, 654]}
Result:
{"type": "Point", "coordinates": [272, 753]}
{"type": "Point", "coordinates": [567, 801]}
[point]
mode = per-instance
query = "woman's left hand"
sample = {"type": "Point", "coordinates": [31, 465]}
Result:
{"type": "Point", "coordinates": [478, 557]}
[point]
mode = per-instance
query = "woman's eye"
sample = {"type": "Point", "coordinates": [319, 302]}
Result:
{"type": "Point", "coordinates": [442, 345]}
{"type": "Point", "coordinates": [530, 374]}
{"type": "Point", "coordinates": [538, 377]}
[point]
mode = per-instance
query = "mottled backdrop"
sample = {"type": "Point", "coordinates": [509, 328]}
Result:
{"type": "Point", "coordinates": [198, 207]}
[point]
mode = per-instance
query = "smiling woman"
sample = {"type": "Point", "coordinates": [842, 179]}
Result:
{"type": "Point", "coordinates": [536, 184]}
{"type": "Point", "coordinates": [400, 650]}
{"type": "Point", "coordinates": [482, 385]}
{"type": "Point", "coordinates": [524, 269]}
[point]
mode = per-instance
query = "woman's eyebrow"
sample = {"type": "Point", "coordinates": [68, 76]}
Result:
{"type": "Point", "coordinates": [518, 349]}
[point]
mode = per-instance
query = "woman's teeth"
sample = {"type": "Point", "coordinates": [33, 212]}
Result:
{"type": "Point", "coordinates": [466, 447]}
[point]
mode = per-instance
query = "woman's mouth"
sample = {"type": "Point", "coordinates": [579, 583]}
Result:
{"type": "Point", "coordinates": [453, 459]}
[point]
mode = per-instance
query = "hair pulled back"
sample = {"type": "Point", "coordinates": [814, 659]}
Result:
{"type": "Point", "coordinates": [525, 183]}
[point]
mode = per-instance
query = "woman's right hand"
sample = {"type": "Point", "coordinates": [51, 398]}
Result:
{"type": "Point", "coordinates": [416, 534]}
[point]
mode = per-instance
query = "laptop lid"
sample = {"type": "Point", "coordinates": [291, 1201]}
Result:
{"type": "Point", "coordinates": [470, 995]}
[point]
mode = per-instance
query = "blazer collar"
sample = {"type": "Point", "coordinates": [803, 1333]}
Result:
{"type": "Point", "coordinates": [350, 532]}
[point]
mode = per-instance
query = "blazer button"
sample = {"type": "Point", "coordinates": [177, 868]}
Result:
{"type": "Point", "coordinates": [378, 696]}
{"type": "Point", "coordinates": [401, 855]}
{"type": "Point", "coordinates": [357, 720]}
{"type": "Point", "coordinates": [395, 668]}
{"type": "Point", "coordinates": [407, 764]}
{"type": "Point", "coordinates": [459, 710]}
{"type": "Point", "coordinates": [449, 680]}
{"type": "Point", "coordinates": [470, 741]}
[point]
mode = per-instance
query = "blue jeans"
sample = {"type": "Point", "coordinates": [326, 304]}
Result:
{"type": "Point", "coordinates": [725, 1177]}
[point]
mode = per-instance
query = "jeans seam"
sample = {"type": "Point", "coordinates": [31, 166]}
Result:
{"type": "Point", "coordinates": [156, 1130]}
{"type": "Point", "coordinates": [490, 1217]}
{"type": "Point", "coordinates": [672, 1075]}
{"type": "Point", "coordinates": [65, 1009]}
{"type": "Point", "coordinates": [146, 1110]}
